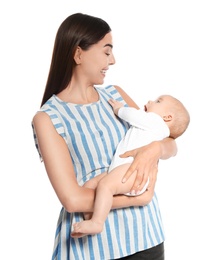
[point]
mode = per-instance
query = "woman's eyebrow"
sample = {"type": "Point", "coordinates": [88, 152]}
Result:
{"type": "Point", "coordinates": [109, 45]}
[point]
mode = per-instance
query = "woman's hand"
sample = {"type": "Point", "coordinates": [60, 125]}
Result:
{"type": "Point", "coordinates": [145, 164]}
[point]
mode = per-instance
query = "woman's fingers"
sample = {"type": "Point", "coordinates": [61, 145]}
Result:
{"type": "Point", "coordinates": [145, 166]}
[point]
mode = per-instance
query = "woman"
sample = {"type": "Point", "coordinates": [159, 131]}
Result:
{"type": "Point", "coordinates": [76, 134]}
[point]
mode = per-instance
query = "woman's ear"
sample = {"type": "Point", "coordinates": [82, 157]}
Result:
{"type": "Point", "coordinates": [167, 118]}
{"type": "Point", "coordinates": [77, 55]}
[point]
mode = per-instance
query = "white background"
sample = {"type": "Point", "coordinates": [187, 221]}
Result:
{"type": "Point", "coordinates": [160, 47]}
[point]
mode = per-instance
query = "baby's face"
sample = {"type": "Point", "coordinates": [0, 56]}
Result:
{"type": "Point", "coordinates": [159, 106]}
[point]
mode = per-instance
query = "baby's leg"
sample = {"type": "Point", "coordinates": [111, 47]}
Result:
{"type": "Point", "coordinates": [110, 185]}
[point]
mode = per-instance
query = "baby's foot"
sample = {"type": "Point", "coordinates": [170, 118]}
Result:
{"type": "Point", "coordinates": [87, 227]}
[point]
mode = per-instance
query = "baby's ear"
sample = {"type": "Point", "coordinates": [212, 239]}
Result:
{"type": "Point", "coordinates": [167, 118]}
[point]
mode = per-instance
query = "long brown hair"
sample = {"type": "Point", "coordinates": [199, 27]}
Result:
{"type": "Point", "coordinates": [76, 30]}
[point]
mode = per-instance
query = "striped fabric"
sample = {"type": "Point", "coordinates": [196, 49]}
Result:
{"type": "Point", "coordinates": [92, 133]}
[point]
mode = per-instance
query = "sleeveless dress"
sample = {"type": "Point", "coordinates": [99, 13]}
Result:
{"type": "Point", "coordinates": [92, 133]}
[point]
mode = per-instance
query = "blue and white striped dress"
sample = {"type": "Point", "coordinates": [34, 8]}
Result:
{"type": "Point", "coordinates": [92, 133]}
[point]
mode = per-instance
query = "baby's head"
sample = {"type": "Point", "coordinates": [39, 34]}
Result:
{"type": "Point", "coordinates": [173, 113]}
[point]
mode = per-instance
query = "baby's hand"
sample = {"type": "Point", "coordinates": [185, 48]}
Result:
{"type": "Point", "coordinates": [115, 105]}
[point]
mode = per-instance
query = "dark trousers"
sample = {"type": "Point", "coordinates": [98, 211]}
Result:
{"type": "Point", "coordinates": [154, 253]}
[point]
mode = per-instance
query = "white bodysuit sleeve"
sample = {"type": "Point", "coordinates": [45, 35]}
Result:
{"type": "Point", "coordinates": [136, 117]}
{"type": "Point", "coordinates": [132, 115]}
{"type": "Point", "coordinates": [144, 120]}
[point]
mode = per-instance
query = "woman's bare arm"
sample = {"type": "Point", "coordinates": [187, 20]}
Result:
{"type": "Point", "coordinates": [60, 170]}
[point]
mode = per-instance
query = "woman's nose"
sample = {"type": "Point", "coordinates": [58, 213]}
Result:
{"type": "Point", "coordinates": [112, 60]}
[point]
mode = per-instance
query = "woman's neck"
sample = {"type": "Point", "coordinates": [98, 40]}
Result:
{"type": "Point", "coordinates": [79, 95]}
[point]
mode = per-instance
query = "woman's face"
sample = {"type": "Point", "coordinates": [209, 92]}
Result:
{"type": "Point", "coordinates": [95, 62]}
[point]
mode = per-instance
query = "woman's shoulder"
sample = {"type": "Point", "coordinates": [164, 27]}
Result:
{"type": "Point", "coordinates": [108, 92]}
{"type": "Point", "coordinates": [44, 120]}
{"type": "Point", "coordinates": [112, 90]}
{"type": "Point", "coordinates": [46, 113]}
{"type": "Point", "coordinates": [124, 96]}
{"type": "Point", "coordinates": [108, 88]}
{"type": "Point", "coordinates": [41, 119]}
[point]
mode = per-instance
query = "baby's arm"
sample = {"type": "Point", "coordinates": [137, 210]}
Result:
{"type": "Point", "coordinates": [133, 116]}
